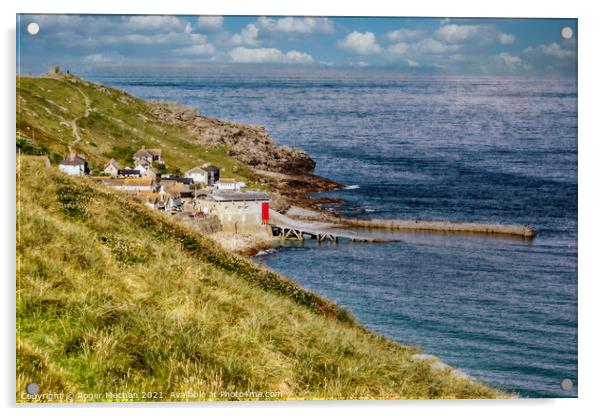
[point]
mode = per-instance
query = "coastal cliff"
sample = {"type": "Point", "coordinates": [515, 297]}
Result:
{"type": "Point", "coordinates": [248, 144]}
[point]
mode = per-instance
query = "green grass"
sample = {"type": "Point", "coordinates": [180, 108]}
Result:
{"type": "Point", "coordinates": [113, 297]}
{"type": "Point", "coordinates": [117, 125]}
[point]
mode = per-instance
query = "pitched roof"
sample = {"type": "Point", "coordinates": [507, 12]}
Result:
{"type": "Point", "coordinates": [226, 196]}
{"type": "Point", "coordinates": [73, 159]}
{"type": "Point", "coordinates": [137, 181]}
{"type": "Point", "coordinates": [114, 163]}
{"type": "Point", "coordinates": [143, 153]}
{"type": "Point", "coordinates": [195, 170]}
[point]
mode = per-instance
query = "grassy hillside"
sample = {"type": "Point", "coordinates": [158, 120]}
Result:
{"type": "Point", "coordinates": [103, 123]}
{"type": "Point", "coordinates": [112, 296]}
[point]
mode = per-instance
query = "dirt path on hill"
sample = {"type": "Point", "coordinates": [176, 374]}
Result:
{"type": "Point", "coordinates": [73, 123]}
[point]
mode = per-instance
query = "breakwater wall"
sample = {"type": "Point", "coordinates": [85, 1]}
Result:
{"type": "Point", "coordinates": [525, 231]}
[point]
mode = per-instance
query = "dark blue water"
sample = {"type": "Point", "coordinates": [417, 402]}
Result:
{"type": "Point", "coordinates": [486, 149]}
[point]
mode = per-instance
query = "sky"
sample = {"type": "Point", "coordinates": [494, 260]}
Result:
{"type": "Point", "coordinates": [84, 43]}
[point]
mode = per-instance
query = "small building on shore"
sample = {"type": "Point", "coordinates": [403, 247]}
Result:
{"type": "Point", "coordinates": [198, 175]}
{"type": "Point", "coordinates": [239, 212]}
{"type": "Point", "coordinates": [142, 167]}
{"type": "Point", "coordinates": [176, 184]}
{"type": "Point", "coordinates": [148, 156]}
{"type": "Point", "coordinates": [112, 168]}
{"type": "Point", "coordinates": [74, 164]}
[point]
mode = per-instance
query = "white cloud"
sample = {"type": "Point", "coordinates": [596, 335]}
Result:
{"type": "Point", "coordinates": [96, 58]}
{"type": "Point", "coordinates": [241, 54]}
{"type": "Point", "coordinates": [169, 38]}
{"type": "Point", "coordinates": [198, 49]}
{"type": "Point", "coordinates": [404, 35]}
{"type": "Point", "coordinates": [360, 43]}
{"type": "Point", "coordinates": [398, 48]}
{"type": "Point", "coordinates": [153, 22]}
{"type": "Point", "coordinates": [247, 36]}
{"type": "Point", "coordinates": [211, 23]}
{"type": "Point", "coordinates": [552, 49]}
{"type": "Point", "coordinates": [483, 34]}
{"type": "Point", "coordinates": [454, 33]}
{"type": "Point", "coordinates": [433, 46]}
{"type": "Point", "coordinates": [511, 62]}
{"type": "Point", "coordinates": [301, 25]}
{"type": "Point", "coordinates": [505, 38]}
{"type": "Point", "coordinates": [299, 57]}
{"type": "Point", "coordinates": [412, 64]}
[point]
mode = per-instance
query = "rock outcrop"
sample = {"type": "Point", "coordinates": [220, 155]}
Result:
{"type": "Point", "coordinates": [248, 144]}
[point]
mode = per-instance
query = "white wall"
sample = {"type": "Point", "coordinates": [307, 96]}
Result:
{"type": "Point", "coordinates": [198, 177]}
{"type": "Point", "coordinates": [72, 170]}
{"type": "Point", "coordinates": [243, 216]}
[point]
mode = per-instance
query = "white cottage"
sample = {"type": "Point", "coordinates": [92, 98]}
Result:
{"type": "Point", "coordinates": [142, 168]}
{"type": "Point", "coordinates": [112, 167]}
{"type": "Point", "coordinates": [198, 175]}
{"type": "Point", "coordinates": [74, 164]}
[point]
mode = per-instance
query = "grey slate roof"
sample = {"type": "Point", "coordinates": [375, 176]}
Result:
{"type": "Point", "coordinates": [226, 196]}
{"type": "Point", "coordinates": [73, 160]}
{"type": "Point", "coordinates": [114, 163]}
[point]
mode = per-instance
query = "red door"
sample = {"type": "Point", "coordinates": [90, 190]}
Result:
{"type": "Point", "coordinates": [265, 212]}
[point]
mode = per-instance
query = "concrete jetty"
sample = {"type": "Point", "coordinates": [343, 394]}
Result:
{"type": "Point", "coordinates": [288, 228]}
{"type": "Point", "coordinates": [525, 231]}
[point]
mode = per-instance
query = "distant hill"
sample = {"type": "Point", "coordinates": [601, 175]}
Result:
{"type": "Point", "coordinates": [115, 297]}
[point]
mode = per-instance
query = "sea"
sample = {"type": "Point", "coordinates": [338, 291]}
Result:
{"type": "Point", "coordinates": [461, 148]}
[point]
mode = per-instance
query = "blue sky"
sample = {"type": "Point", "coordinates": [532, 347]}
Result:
{"type": "Point", "coordinates": [84, 43]}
